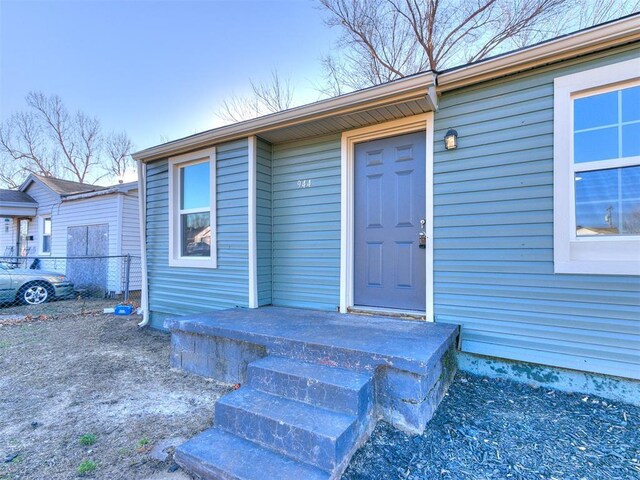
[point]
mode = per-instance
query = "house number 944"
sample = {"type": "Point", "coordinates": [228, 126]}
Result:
{"type": "Point", "coordinates": [304, 183]}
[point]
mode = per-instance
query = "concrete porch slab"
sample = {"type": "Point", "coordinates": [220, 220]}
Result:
{"type": "Point", "coordinates": [313, 386]}
{"type": "Point", "coordinates": [359, 342]}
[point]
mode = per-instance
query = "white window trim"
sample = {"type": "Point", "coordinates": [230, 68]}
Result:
{"type": "Point", "coordinates": [41, 235]}
{"type": "Point", "coordinates": [603, 255]}
{"type": "Point", "coordinates": [175, 163]}
{"type": "Point", "coordinates": [422, 122]}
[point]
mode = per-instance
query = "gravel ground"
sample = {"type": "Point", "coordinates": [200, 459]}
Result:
{"type": "Point", "coordinates": [495, 429]}
{"type": "Point", "coordinates": [93, 374]}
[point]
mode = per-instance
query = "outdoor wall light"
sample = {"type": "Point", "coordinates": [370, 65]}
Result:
{"type": "Point", "coordinates": [451, 139]}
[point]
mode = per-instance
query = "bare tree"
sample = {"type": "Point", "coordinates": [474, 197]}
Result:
{"type": "Point", "coordinates": [48, 140]}
{"type": "Point", "coordinates": [275, 95]}
{"type": "Point", "coordinates": [76, 136]}
{"type": "Point", "coordinates": [238, 108]}
{"type": "Point", "coordinates": [24, 141]}
{"type": "Point", "coordinates": [10, 173]}
{"type": "Point", "coordinates": [271, 96]}
{"type": "Point", "coordinates": [387, 39]}
{"type": "Point", "coordinates": [118, 148]}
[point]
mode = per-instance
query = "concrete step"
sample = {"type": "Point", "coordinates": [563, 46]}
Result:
{"type": "Point", "coordinates": [215, 454]}
{"type": "Point", "coordinates": [334, 388]}
{"type": "Point", "coordinates": [307, 433]}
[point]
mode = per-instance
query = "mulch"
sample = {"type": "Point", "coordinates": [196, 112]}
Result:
{"type": "Point", "coordinates": [497, 429]}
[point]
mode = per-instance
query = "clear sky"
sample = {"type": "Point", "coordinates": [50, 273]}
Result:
{"type": "Point", "coordinates": [156, 69]}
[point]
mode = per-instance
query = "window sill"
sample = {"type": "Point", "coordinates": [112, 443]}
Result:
{"type": "Point", "coordinates": [193, 263]}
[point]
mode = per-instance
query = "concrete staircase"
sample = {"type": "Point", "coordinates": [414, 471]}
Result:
{"type": "Point", "coordinates": [292, 420]}
{"type": "Point", "coordinates": [313, 386]}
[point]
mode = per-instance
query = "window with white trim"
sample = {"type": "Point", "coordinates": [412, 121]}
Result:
{"type": "Point", "coordinates": [45, 237]}
{"type": "Point", "coordinates": [597, 170]}
{"type": "Point", "coordinates": [192, 214]}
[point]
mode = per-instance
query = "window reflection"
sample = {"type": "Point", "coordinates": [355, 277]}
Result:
{"type": "Point", "coordinates": [608, 202]}
{"type": "Point", "coordinates": [196, 234]}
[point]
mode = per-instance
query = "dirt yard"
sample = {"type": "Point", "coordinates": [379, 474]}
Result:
{"type": "Point", "coordinates": [91, 395]}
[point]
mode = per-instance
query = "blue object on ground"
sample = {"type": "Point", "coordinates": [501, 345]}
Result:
{"type": "Point", "coordinates": [123, 310]}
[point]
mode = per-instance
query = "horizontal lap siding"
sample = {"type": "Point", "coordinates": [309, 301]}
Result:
{"type": "Point", "coordinates": [130, 224]}
{"type": "Point", "coordinates": [48, 203]}
{"type": "Point", "coordinates": [263, 221]}
{"type": "Point", "coordinates": [178, 290]}
{"type": "Point", "coordinates": [130, 230]}
{"type": "Point", "coordinates": [306, 224]}
{"type": "Point", "coordinates": [493, 244]}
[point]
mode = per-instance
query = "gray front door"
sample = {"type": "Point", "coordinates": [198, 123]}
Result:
{"type": "Point", "coordinates": [389, 203]}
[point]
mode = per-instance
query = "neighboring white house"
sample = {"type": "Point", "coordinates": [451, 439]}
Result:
{"type": "Point", "coordinates": [54, 219]}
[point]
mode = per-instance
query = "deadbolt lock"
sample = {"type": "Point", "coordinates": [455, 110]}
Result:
{"type": "Point", "coordinates": [422, 240]}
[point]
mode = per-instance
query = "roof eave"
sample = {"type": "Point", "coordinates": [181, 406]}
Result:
{"type": "Point", "coordinates": [362, 99]}
{"type": "Point", "coordinates": [595, 39]}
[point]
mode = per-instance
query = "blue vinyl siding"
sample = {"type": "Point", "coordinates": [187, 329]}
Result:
{"type": "Point", "coordinates": [263, 221]}
{"type": "Point", "coordinates": [306, 224]}
{"type": "Point", "coordinates": [179, 291]}
{"type": "Point", "coordinates": [494, 236]}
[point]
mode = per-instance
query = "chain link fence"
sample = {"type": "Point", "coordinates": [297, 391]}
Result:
{"type": "Point", "coordinates": [58, 283]}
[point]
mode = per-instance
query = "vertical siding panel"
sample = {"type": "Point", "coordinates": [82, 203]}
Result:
{"type": "Point", "coordinates": [306, 224]}
{"type": "Point", "coordinates": [494, 236]}
{"type": "Point", "coordinates": [263, 220]}
{"type": "Point", "coordinates": [178, 290]}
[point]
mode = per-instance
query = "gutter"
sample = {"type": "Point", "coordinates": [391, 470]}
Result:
{"type": "Point", "coordinates": [20, 204]}
{"type": "Point", "coordinates": [97, 193]}
{"type": "Point", "coordinates": [142, 211]}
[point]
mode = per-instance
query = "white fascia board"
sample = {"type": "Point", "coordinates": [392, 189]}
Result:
{"type": "Point", "coordinates": [368, 98]}
{"type": "Point", "coordinates": [612, 34]}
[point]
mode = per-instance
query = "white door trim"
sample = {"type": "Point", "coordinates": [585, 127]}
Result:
{"type": "Point", "coordinates": [349, 139]}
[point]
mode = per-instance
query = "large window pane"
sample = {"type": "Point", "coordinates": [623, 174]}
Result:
{"type": "Point", "coordinates": [631, 140]}
{"type": "Point", "coordinates": [196, 234]}
{"type": "Point", "coordinates": [194, 186]}
{"type": "Point", "coordinates": [46, 235]}
{"type": "Point", "coordinates": [595, 111]}
{"type": "Point", "coordinates": [631, 104]}
{"type": "Point", "coordinates": [595, 145]}
{"type": "Point", "coordinates": [46, 244]}
{"type": "Point", "coordinates": [608, 202]}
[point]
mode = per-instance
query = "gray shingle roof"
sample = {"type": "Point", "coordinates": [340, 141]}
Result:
{"type": "Point", "coordinates": [67, 187]}
{"type": "Point", "coordinates": [14, 196]}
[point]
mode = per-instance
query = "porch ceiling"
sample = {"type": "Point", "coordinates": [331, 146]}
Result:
{"type": "Point", "coordinates": [348, 121]}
